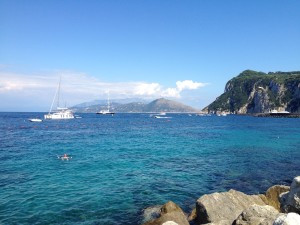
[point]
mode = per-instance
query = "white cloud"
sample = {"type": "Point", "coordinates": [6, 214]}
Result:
{"type": "Point", "coordinates": [181, 86]}
{"type": "Point", "coordinates": [147, 89]}
{"type": "Point", "coordinates": [171, 93]}
{"type": "Point", "coordinates": [188, 85]}
{"type": "Point", "coordinates": [76, 88]}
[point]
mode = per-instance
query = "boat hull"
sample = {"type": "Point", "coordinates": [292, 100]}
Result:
{"type": "Point", "coordinates": [35, 120]}
{"type": "Point", "coordinates": [59, 116]}
{"type": "Point", "coordinates": [106, 113]}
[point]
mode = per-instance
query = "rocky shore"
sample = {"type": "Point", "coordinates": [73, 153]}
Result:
{"type": "Point", "coordinates": [278, 115]}
{"type": "Point", "coordinates": [280, 205]}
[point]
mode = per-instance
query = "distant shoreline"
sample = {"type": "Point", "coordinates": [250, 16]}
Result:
{"type": "Point", "coordinates": [278, 115]}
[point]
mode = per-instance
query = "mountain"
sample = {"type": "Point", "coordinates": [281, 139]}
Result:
{"type": "Point", "coordinates": [158, 105]}
{"type": "Point", "coordinates": [258, 92]}
{"type": "Point", "coordinates": [165, 105]}
{"type": "Point", "coordinates": [104, 102]}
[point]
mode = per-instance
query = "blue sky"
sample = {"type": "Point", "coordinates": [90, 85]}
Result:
{"type": "Point", "coordinates": [182, 50]}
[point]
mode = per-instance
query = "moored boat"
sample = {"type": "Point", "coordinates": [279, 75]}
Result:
{"type": "Point", "coordinates": [61, 112]}
{"type": "Point", "coordinates": [35, 120]}
{"type": "Point", "coordinates": [106, 111]}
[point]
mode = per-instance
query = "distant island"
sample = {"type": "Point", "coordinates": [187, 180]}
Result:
{"type": "Point", "coordinates": [257, 92]}
{"type": "Point", "coordinates": [156, 106]}
{"type": "Point", "coordinates": [250, 92]}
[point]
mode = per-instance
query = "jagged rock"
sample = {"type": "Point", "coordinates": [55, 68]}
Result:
{"type": "Point", "coordinates": [170, 214]}
{"type": "Point", "coordinates": [257, 215]}
{"type": "Point", "coordinates": [273, 194]}
{"type": "Point", "coordinates": [288, 219]}
{"type": "Point", "coordinates": [290, 201]}
{"type": "Point", "coordinates": [229, 205]}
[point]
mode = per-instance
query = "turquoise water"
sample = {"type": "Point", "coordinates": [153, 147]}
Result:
{"type": "Point", "coordinates": [120, 165]}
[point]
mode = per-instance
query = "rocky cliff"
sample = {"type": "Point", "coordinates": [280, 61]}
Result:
{"type": "Point", "coordinates": [258, 92]}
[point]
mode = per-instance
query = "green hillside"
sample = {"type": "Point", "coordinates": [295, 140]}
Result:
{"type": "Point", "coordinates": [257, 92]}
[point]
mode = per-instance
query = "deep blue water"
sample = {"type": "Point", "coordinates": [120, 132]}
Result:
{"type": "Point", "coordinates": [120, 165]}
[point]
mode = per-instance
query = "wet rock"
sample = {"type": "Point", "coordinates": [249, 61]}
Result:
{"type": "Point", "coordinates": [170, 214]}
{"type": "Point", "coordinates": [226, 206]}
{"type": "Point", "coordinates": [192, 217]}
{"type": "Point", "coordinates": [288, 219]}
{"type": "Point", "coordinates": [290, 201]}
{"type": "Point", "coordinates": [257, 215]}
{"type": "Point", "coordinates": [151, 213]}
{"type": "Point", "coordinates": [273, 194]}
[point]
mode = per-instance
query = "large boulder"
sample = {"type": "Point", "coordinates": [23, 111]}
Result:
{"type": "Point", "coordinates": [257, 215]}
{"type": "Point", "coordinates": [273, 194]}
{"type": "Point", "coordinates": [288, 219]}
{"type": "Point", "coordinates": [170, 214]}
{"type": "Point", "coordinates": [225, 206]}
{"type": "Point", "coordinates": [290, 201]}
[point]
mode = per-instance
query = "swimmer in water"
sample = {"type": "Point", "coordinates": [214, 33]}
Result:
{"type": "Point", "coordinates": [65, 157]}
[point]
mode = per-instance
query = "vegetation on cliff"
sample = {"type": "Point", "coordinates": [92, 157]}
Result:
{"type": "Point", "coordinates": [258, 92]}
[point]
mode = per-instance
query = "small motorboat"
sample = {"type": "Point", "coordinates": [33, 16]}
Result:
{"type": "Point", "coordinates": [35, 120]}
{"type": "Point", "coordinates": [161, 117]}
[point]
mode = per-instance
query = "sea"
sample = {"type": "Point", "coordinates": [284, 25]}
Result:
{"type": "Point", "coordinates": [126, 163]}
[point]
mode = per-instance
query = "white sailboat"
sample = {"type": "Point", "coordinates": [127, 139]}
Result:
{"type": "Point", "coordinates": [106, 111]}
{"type": "Point", "coordinates": [60, 113]}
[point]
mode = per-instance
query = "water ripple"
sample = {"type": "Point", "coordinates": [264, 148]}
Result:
{"type": "Point", "coordinates": [123, 164]}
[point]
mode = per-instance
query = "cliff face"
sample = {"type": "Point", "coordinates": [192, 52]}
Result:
{"type": "Point", "coordinates": [257, 92]}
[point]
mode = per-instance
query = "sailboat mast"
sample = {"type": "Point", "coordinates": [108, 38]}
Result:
{"type": "Point", "coordinates": [55, 96]}
{"type": "Point", "coordinates": [108, 106]}
{"type": "Point", "coordinates": [58, 93]}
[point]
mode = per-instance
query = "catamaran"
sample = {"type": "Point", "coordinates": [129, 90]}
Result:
{"type": "Point", "coordinates": [60, 113]}
{"type": "Point", "coordinates": [106, 111]}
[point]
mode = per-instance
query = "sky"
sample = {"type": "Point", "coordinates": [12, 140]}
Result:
{"type": "Point", "coordinates": [146, 49]}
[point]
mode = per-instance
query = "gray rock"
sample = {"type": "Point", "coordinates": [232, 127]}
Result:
{"type": "Point", "coordinates": [170, 214]}
{"type": "Point", "coordinates": [290, 201]}
{"type": "Point", "coordinates": [257, 215]}
{"type": "Point", "coordinates": [273, 194]}
{"type": "Point", "coordinates": [226, 206]}
{"type": "Point", "coordinates": [288, 219]}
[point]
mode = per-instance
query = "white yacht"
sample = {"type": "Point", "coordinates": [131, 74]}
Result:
{"type": "Point", "coordinates": [274, 111]}
{"type": "Point", "coordinates": [106, 111]}
{"type": "Point", "coordinates": [60, 113]}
